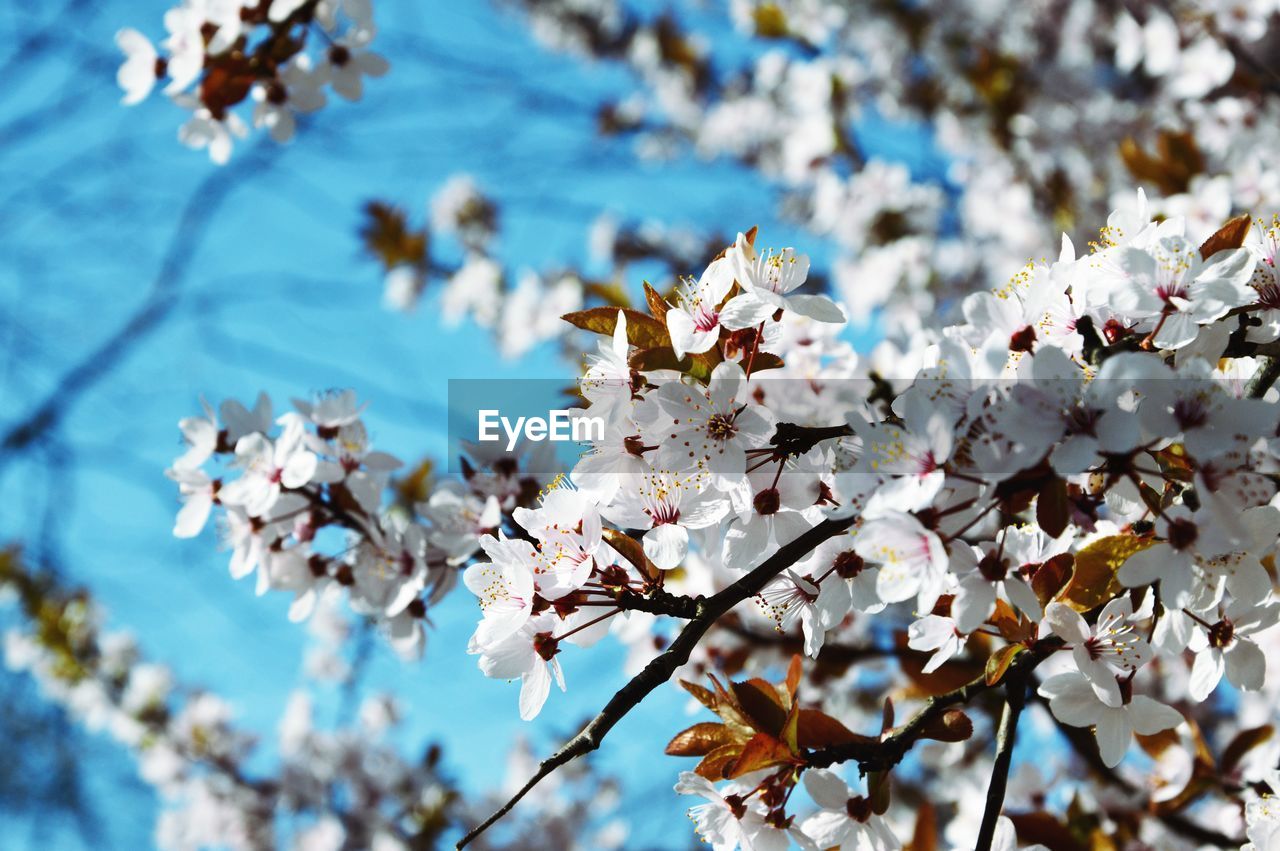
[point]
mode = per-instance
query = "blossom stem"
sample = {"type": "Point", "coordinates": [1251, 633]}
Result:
{"type": "Point", "coordinates": [580, 627]}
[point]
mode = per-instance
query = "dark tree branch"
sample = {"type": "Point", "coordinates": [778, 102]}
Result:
{"type": "Point", "coordinates": [885, 753]}
{"type": "Point", "coordinates": [1266, 375]}
{"type": "Point", "coordinates": [1015, 700]}
{"type": "Point", "coordinates": [659, 602]}
{"type": "Point", "coordinates": [661, 669]}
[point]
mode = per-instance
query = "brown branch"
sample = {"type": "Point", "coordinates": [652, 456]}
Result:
{"type": "Point", "coordinates": [885, 753]}
{"type": "Point", "coordinates": [659, 602]}
{"type": "Point", "coordinates": [1015, 700]}
{"type": "Point", "coordinates": [661, 669]}
{"type": "Point", "coordinates": [792, 439]}
{"type": "Point", "coordinates": [1267, 373]}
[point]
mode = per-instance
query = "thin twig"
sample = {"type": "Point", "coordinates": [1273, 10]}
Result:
{"type": "Point", "coordinates": [665, 665]}
{"type": "Point", "coordinates": [885, 753]}
{"type": "Point", "coordinates": [1015, 698]}
{"type": "Point", "coordinates": [1262, 380]}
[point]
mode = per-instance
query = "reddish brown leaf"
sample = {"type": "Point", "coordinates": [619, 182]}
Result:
{"type": "Point", "coordinates": [762, 751]}
{"type": "Point", "coordinates": [925, 836]}
{"type": "Point", "coordinates": [1053, 510]}
{"type": "Point", "coordinates": [1093, 576]}
{"type": "Point", "coordinates": [878, 789]}
{"type": "Point", "coordinates": [793, 675]}
{"type": "Point", "coordinates": [1245, 741]}
{"type": "Point", "coordinates": [633, 551]}
{"type": "Point", "coordinates": [700, 739]}
{"type": "Point", "coordinates": [701, 693]}
{"type": "Point", "coordinates": [759, 701]}
{"type": "Point", "coordinates": [714, 764]}
{"type": "Point", "coordinates": [699, 366]}
{"type": "Point", "coordinates": [1050, 577]}
{"type": "Point", "coordinates": [1000, 661]}
{"type": "Point", "coordinates": [1045, 829]}
{"type": "Point", "coordinates": [1229, 236]}
{"type": "Point", "coordinates": [819, 730]}
{"type": "Point", "coordinates": [643, 330]}
{"type": "Point", "coordinates": [657, 307]}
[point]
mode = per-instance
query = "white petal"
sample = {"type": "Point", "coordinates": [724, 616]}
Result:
{"type": "Point", "coordinates": [1246, 665]}
{"type": "Point", "coordinates": [1205, 673]}
{"type": "Point", "coordinates": [1149, 717]}
{"type": "Point", "coordinates": [666, 545]}
{"type": "Point", "coordinates": [1067, 623]}
{"type": "Point", "coordinates": [534, 688]}
{"type": "Point", "coordinates": [1114, 736]}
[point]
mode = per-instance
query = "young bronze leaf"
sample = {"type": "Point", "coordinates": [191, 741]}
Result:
{"type": "Point", "coordinates": [701, 693]}
{"type": "Point", "coordinates": [643, 330]}
{"type": "Point", "coordinates": [1047, 830]}
{"type": "Point", "coordinates": [657, 307]}
{"type": "Point", "coordinates": [633, 551]}
{"type": "Point", "coordinates": [699, 366]}
{"type": "Point", "coordinates": [878, 786]}
{"type": "Point", "coordinates": [1000, 661]}
{"type": "Point", "coordinates": [763, 361]}
{"type": "Point", "coordinates": [1229, 236]}
{"type": "Point", "coordinates": [1245, 741]}
{"type": "Point", "coordinates": [763, 751]}
{"type": "Point", "coordinates": [1093, 580]}
{"type": "Point", "coordinates": [1049, 578]}
{"type": "Point", "coordinates": [817, 729]}
{"type": "Point", "coordinates": [700, 739]}
{"type": "Point", "coordinates": [925, 836]}
{"type": "Point", "coordinates": [793, 675]}
{"type": "Point", "coordinates": [1053, 510]}
{"type": "Point", "coordinates": [715, 764]}
{"type": "Point", "coordinates": [760, 703]}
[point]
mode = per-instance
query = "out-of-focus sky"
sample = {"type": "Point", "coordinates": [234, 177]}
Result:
{"type": "Point", "coordinates": [270, 291]}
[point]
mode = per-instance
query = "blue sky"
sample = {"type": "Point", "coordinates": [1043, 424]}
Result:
{"type": "Point", "coordinates": [276, 295]}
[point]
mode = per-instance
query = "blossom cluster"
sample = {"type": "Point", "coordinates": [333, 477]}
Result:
{"type": "Point", "coordinates": [1041, 117]}
{"type": "Point", "coordinates": [278, 493]}
{"type": "Point", "coordinates": [1072, 489]}
{"type": "Point", "coordinates": [208, 771]}
{"type": "Point", "coordinates": [219, 54]}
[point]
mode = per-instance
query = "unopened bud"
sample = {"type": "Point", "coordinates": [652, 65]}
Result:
{"type": "Point", "coordinates": [952, 726]}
